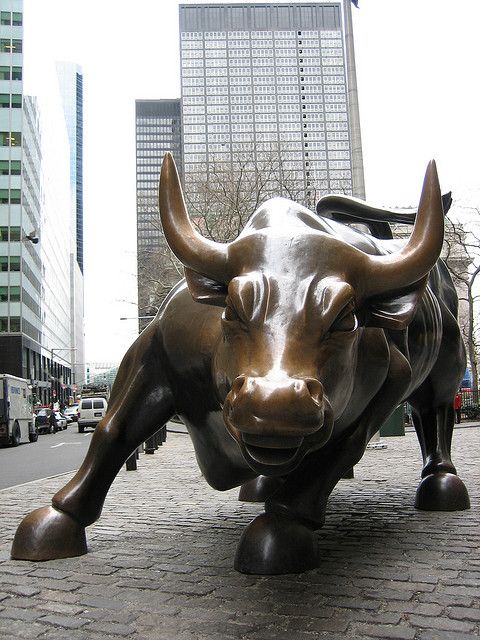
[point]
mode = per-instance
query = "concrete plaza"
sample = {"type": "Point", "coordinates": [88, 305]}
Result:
{"type": "Point", "coordinates": [160, 561]}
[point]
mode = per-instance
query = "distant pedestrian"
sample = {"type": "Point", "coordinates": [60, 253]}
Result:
{"type": "Point", "coordinates": [457, 405]}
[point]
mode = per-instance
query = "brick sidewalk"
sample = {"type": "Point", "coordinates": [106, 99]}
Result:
{"type": "Point", "coordinates": [160, 565]}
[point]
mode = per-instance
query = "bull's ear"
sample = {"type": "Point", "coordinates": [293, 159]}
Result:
{"type": "Point", "coordinates": [204, 289]}
{"type": "Point", "coordinates": [396, 311]}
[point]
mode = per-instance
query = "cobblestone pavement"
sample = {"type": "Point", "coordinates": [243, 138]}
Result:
{"type": "Point", "coordinates": [160, 565]}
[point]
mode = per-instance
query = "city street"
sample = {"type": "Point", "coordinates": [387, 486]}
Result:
{"type": "Point", "coordinates": [50, 455]}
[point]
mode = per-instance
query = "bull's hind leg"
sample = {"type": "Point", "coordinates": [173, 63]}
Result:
{"type": "Point", "coordinates": [440, 489]}
{"type": "Point", "coordinates": [434, 418]}
{"type": "Point", "coordinates": [140, 403]}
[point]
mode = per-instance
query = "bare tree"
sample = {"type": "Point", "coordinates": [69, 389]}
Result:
{"type": "Point", "coordinates": [219, 203]}
{"type": "Point", "coordinates": [158, 269]}
{"type": "Point", "coordinates": [462, 256]}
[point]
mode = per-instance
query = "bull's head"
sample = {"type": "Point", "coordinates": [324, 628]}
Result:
{"type": "Point", "coordinates": [295, 302]}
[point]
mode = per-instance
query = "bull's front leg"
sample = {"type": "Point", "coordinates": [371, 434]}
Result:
{"type": "Point", "coordinates": [140, 404]}
{"type": "Point", "coordinates": [282, 540]}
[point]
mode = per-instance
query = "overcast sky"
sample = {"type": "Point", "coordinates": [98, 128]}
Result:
{"type": "Point", "coordinates": [419, 93]}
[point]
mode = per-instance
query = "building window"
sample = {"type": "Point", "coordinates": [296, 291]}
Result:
{"type": "Point", "coordinates": [10, 46]}
{"type": "Point", "coordinates": [14, 263]}
{"type": "Point", "coordinates": [13, 167]}
{"type": "Point", "coordinates": [14, 324]}
{"type": "Point", "coordinates": [10, 138]}
{"type": "Point", "coordinates": [10, 196]}
{"type": "Point", "coordinates": [13, 295]}
{"type": "Point", "coordinates": [7, 101]}
{"type": "Point", "coordinates": [10, 73]}
{"type": "Point", "coordinates": [14, 234]}
{"type": "Point", "coordinates": [8, 18]}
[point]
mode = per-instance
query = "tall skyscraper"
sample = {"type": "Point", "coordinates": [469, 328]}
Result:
{"type": "Point", "coordinates": [263, 79]}
{"type": "Point", "coordinates": [36, 233]}
{"type": "Point", "coordinates": [70, 78]}
{"type": "Point", "coordinates": [158, 130]}
{"type": "Point", "coordinates": [266, 89]}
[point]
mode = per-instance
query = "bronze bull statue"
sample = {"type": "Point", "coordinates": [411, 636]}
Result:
{"type": "Point", "coordinates": [283, 352]}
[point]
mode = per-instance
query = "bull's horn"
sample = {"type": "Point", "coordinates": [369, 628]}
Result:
{"type": "Point", "coordinates": [403, 268]}
{"type": "Point", "coordinates": [191, 248]}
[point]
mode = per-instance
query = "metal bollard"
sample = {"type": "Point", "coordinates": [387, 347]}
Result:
{"type": "Point", "coordinates": [150, 445]}
{"type": "Point", "coordinates": [131, 463]}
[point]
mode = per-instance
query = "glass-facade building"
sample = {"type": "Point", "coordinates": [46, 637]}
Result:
{"type": "Point", "coordinates": [36, 233]}
{"type": "Point", "coordinates": [70, 78]}
{"type": "Point", "coordinates": [258, 79]}
{"type": "Point", "coordinates": [157, 130]}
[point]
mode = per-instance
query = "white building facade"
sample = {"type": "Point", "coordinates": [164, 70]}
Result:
{"type": "Point", "coordinates": [36, 231]}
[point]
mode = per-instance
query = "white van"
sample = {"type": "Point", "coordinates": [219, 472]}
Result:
{"type": "Point", "coordinates": [16, 412]}
{"type": "Point", "coordinates": [90, 412]}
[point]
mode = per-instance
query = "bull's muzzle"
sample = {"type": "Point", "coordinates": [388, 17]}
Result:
{"type": "Point", "coordinates": [270, 417]}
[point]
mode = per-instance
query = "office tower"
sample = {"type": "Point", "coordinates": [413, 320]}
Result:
{"type": "Point", "coordinates": [158, 129]}
{"type": "Point", "coordinates": [70, 80]}
{"type": "Point", "coordinates": [263, 79]}
{"type": "Point", "coordinates": [35, 223]}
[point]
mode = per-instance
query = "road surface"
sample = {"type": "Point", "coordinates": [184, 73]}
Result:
{"type": "Point", "coordinates": [50, 455]}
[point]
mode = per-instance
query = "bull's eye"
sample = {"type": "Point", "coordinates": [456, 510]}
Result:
{"type": "Point", "coordinates": [346, 321]}
{"type": "Point", "coordinates": [230, 315]}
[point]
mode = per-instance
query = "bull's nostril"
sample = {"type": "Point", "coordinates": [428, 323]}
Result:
{"type": "Point", "coordinates": [315, 389]}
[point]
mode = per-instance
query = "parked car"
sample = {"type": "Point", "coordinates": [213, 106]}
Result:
{"type": "Point", "coordinates": [72, 412]}
{"type": "Point", "coordinates": [45, 421]}
{"type": "Point", "coordinates": [61, 421]}
{"type": "Point", "coordinates": [91, 411]}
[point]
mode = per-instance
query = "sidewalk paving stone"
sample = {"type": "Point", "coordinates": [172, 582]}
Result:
{"type": "Point", "coordinates": [160, 565]}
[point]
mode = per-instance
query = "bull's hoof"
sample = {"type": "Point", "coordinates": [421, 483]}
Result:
{"type": "Point", "coordinates": [259, 489]}
{"type": "Point", "coordinates": [442, 492]}
{"type": "Point", "coordinates": [48, 534]}
{"type": "Point", "coordinates": [275, 544]}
